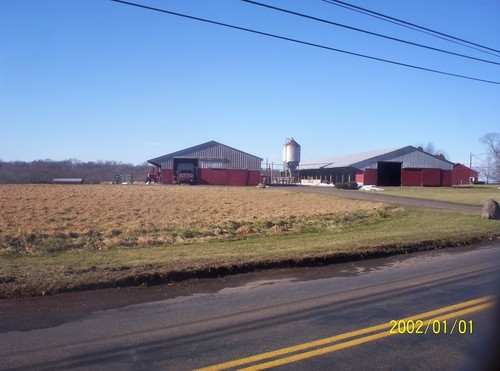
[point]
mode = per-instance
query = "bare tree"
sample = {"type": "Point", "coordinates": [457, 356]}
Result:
{"type": "Point", "coordinates": [492, 143]}
{"type": "Point", "coordinates": [431, 148]}
{"type": "Point", "coordinates": [491, 168]}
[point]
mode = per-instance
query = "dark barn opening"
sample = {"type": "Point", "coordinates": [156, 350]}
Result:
{"type": "Point", "coordinates": [186, 165]}
{"type": "Point", "coordinates": [389, 174]}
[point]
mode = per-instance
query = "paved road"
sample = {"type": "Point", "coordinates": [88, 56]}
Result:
{"type": "Point", "coordinates": [331, 316]}
{"type": "Point", "coordinates": [380, 197]}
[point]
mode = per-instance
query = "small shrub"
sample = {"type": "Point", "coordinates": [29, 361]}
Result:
{"type": "Point", "coordinates": [189, 234]}
{"type": "Point", "coordinates": [245, 230]}
{"type": "Point", "coordinates": [347, 185]}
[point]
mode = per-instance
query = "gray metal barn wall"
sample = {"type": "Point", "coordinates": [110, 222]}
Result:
{"type": "Point", "coordinates": [219, 156]}
{"type": "Point", "coordinates": [168, 164]}
{"type": "Point", "coordinates": [409, 159]}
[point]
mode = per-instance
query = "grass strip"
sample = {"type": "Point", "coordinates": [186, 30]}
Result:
{"type": "Point", "coordinates": [410, 230]}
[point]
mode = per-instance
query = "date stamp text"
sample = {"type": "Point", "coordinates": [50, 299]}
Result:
{"type": "Point", "coordinates": [457, 326]}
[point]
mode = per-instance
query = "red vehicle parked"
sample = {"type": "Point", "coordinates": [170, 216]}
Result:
{"type": "Point", "coordinates": [185, 177]}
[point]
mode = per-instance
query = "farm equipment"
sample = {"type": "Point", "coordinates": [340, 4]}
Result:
{"type": "Point", "coordinates": [154, 175]}
{"type": "Point", "coordinates": [185, 177]}
{"type": "Point", "coordinates": [185, 170]}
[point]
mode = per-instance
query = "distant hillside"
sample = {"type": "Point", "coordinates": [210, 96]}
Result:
{"type": "Point", "coordinates": [43, 171]}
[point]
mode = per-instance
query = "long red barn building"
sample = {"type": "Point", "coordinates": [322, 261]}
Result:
{"type": "Point", "coordinates": [404, 166]}
{"type": "Point", "coordinates": [213, 163]}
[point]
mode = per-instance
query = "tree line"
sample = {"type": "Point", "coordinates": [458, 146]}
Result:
{"type": "Point", "coordinates": [44, 171]}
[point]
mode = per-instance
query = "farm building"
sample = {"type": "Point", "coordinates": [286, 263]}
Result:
{"type": "Point", "coordinates": [67, 181]}
{"type": "Point", "coordinates": [405, 166]}
{"type": "Point", "coordinates": [208, 163]}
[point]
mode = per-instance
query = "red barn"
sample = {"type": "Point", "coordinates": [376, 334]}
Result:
{"type": "Point", "coordinates": [405, 166]}
{"type": "Point", "coordinates": [210, 163]}
{"type": "Point", "coordinates": [463, 175]}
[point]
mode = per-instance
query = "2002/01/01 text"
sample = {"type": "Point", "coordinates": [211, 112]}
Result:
{"type": "Point", "coordinates": [423, 327]}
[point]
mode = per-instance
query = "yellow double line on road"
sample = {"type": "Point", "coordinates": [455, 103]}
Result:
{"type": "Point", "coordinates": [302, 351]}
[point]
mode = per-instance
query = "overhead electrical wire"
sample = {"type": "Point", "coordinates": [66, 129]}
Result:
{"type": "Point", "coordinates": [408, 25]}
{"type": "Point", "coordinates": [400, 22]}
{"type": "Point", "coordinates": [367, 32]}
{"type": "Point", "coordinates": [186, 16]}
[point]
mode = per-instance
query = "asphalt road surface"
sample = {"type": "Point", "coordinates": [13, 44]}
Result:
{"type": "Point", "coordinates": [429, 310]}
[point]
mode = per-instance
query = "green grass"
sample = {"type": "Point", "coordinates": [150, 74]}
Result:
{"type": "Point", "coordinates": [398, 231]}
{"type": "Point", "coordinates": [464, 195]}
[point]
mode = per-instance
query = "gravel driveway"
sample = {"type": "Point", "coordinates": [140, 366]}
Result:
{"type": "Point", "coordinates": [377, 196]}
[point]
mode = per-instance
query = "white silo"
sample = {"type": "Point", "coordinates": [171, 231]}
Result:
{"type": "Point", "coordinates": [291, 155]}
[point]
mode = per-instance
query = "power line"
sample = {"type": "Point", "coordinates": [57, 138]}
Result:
{"type": "Point", "coordinates": [367, 32]}
{"type": "Point", "coordinates": [413, 26]}
{"type": "Point", "coordinates": [303, 42]}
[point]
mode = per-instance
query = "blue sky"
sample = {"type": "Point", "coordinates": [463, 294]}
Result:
{"type": "Point", "coordinates": [96, 80]}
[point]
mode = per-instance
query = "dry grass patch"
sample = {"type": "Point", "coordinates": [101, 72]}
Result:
{"type": "Point", "coordinates": [464, 195]}
{"type": "Point", "coordinates": [54, 218]}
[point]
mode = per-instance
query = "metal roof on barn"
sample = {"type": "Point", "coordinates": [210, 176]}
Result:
{"type": "Point", "coordinates": [409, 156]}
{"type": "Point", "coordinates": [211, 154]}
{"type": "Point", "coordinates": [67, 181]}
